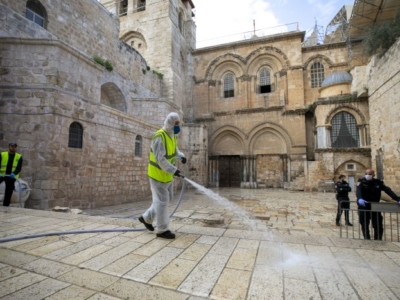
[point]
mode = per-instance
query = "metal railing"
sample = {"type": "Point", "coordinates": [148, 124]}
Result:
{"type": "Point", "coordinates": [380, 220]}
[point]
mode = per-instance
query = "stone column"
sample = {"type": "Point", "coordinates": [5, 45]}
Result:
{"type": "Point", "coordinates": [284, 168]}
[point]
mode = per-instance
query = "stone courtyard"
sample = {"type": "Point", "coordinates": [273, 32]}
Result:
{"type": "Point", "coordinates": [243, 244]}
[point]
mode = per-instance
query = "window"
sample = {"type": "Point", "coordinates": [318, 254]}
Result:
{"type": "Point", "coordinates": [229, 86]}
{"type": "Point", "coordinates": [141, 5]}
{"type": "Point", "coordinates": [317, 74]}
{"type": "Point", "coordinates": [350, 167]}
{"type": "Point", "coordinates": [265, 82]}
{"type": "Point", "coordinates": [75, 135]}
{"type": "Point", "coordinates": [36, 12]}
{"type": "Point", "coordinates": [344, 132]}
{"type": "Point", "coordinates": [123, 8]}
{"type": "Point", "coordinates": [180, 22]}
{"type": "Point", "coordinates": [138, 146]}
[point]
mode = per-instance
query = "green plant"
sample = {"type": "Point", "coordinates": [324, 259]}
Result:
{"type": "Point", "coordinates": [380, 38]}
{"type": "Point", "coordinates": [108, 66]}
{"type": "Point", "coordinates": [104, 63]}
{"type": "Point", "coordinates": [161, 76]}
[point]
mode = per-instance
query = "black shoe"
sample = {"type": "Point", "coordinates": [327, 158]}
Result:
{"type": "Point", "coordinates": [166, 235]}
{"type": "Point", "coordinates": [147, 225]}
{"type": "Point", "coordinates": [337, 223]}
{"type": "Point", "coordinates": [349, 224]}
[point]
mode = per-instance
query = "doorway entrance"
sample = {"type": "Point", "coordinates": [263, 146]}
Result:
{"type": "Point", "coordinates": [229, 171]}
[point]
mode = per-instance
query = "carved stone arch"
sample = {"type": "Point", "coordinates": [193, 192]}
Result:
{"type": "Point", "coordinates": [112, 96]}
{"type": "Point", "coordinates": [269, 138]}
{"type": "Point", "coordinates": [138, 39]}
{"type": "Point", "coordinates": [317, 58]}
{"type": "Point", "coordinates": [227, 67]}
{"type": "Point", "coordinates": [352, 161]}
{"type": "Point", "coordinates": [215, 64]}
{"type": "Point", "coordinates": [228, 140]}
{"type": "Point", "coordinates": [268, 51]}
{"type": "Point", "coordinates": [355, 112]}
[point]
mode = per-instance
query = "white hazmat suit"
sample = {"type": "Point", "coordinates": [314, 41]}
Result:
{"type": "Point", "coordinates": [162, 192]}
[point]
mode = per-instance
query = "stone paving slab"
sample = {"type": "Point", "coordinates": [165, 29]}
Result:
{"type": "Point", "coordinates": [293, 253]}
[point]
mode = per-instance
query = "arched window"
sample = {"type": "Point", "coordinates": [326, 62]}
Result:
{"type": "Point", "coordinates": [344, 133]}
{"type": "Point", "coordinates": [138, 146]}
{"type": "Point", "coordinates": [317, 74]}
{"type": "Point", "coordinates": [265, 82]}
{"type": "Point", "coordinates": [36, 12]}
{"type": "Point", "coordinates": [75, 137]}
{"type": "Point", "coordinates": [229, 86]}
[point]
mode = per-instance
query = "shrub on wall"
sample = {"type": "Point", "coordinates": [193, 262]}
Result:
{"type": "Point", "coordinates": [104, 63]}
{"type": "Point", "coordinates": [380, 38]}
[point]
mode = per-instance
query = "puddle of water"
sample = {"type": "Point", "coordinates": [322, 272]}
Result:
{"type": "Point", "coordinates": [291, 259]}
{"type": "Point", "coordinates": [240, 212]}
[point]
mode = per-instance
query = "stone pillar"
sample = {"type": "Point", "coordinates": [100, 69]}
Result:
{"type": "Point", "coordinates": [284, 168]}
{"type": "Point", "coordinates": [213, 172]}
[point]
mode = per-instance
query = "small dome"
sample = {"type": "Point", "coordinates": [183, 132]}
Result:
{"type": "Point", "coordinates": [336, 78]}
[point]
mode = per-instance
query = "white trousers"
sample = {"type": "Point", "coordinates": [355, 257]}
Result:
{"type": "Point", "coordinates": [162, 193]}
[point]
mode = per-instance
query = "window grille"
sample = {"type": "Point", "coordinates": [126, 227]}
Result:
{"type": "Point", "coordinates": [141, 5]}
{"type": "Point", "coordinates": [123, 8]}
{"type": "Point", "coordinates": [35, 12]}
{"type": "Point", "coordinates": [344, 132]}
{"type": "Point", "coordinates": [229, 86]}
{"type": "Point", "coordinates": [317, 74]}
{"type": "Point", "coordinates": [75, 135]}
{"type": "Point", "coordinates": [138, 146]}
{"type": "Point", "coordinates": [265, 82]}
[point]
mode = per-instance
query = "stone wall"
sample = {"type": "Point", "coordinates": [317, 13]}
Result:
{"type": "Point", "coordinates": [87, 27]}
{"type": "Point", "coordinates": [269, 171]}
{"type": "Point", "coordinates": [47, 83]}
{"type": "Point", "coordinates": [383, 83]}
{"type": "Point", "coordinates": [105, 171]}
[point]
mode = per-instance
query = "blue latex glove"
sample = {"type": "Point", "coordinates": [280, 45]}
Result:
{"type": "Point", "coordinates": [398, 201]}
{"type": "Point", "coordinates": [12, 175]}
{"type": "Point", "coordinates": [362, 202]}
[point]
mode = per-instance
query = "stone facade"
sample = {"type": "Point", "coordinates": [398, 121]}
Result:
{"type": "Point", "coordinates": [279, 134]}
{"type": "Point", "coordinates": [49, 81]}
{"type": "Point", "coordinates": [383, 82]}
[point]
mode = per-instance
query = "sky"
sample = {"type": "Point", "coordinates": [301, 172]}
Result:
{"type": "Point", "coordinates": [218, 21]}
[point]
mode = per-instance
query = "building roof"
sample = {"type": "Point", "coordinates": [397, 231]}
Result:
{"type": "Point", "coordinates": [369, 13]}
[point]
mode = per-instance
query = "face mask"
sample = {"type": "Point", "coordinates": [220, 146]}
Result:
{"type": "Point", "coordinates": [368, 177]}
{"type": "Point", "coordinates": [177, 129]}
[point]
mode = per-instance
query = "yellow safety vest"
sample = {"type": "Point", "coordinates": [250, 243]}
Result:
{"type": "Point", "coordinates": [154, 171]}
{"type": "Point", "coordinates": [4, 161]}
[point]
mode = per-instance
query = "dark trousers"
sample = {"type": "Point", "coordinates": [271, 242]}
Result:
{"type": "Point", "coordinates": [9, 189]}
{"type": "Point", "coordinates": [377, 223]}
{"type": "Point", "coordinates": [343, 204]}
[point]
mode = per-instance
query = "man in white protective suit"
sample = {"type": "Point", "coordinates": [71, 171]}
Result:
{"type": "Point", "coordinates": [161, 171]}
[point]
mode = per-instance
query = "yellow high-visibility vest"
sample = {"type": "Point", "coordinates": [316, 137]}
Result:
{"type": "Point", "coordinates": [154, 171]}
{"type": "Point", "coordinates": [4, 161]}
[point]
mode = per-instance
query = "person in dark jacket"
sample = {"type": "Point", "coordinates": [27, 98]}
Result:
{"type": "Point", "coordinates": [369, 190]}
{"type": "Point", "coordinates": [342, 189]}
{"type": "Point", "coordinates": [11, 165]}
